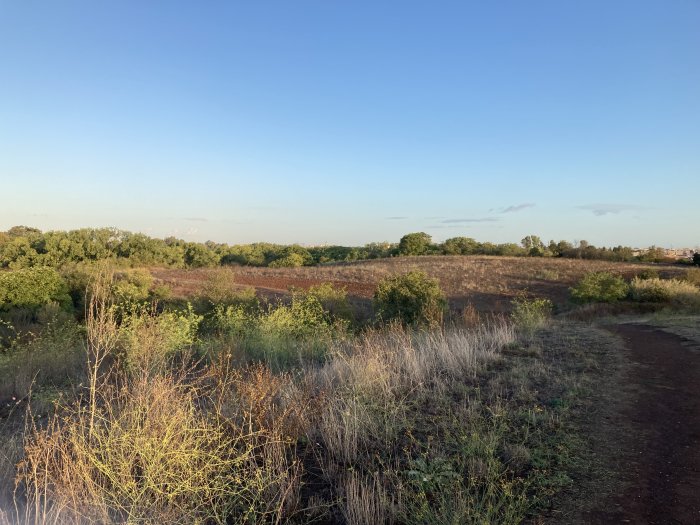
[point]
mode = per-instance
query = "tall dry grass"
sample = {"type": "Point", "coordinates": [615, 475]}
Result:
{"type": "Point", "coordinates": [146, 448]}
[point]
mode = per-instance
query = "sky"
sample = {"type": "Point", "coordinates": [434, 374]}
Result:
{"type": "Point", "coordinates": [353, 122]}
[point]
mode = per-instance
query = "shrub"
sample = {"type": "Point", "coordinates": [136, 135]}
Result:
{"type": "Point", "coordinates": [693, 276]}
{"type": "Point", "coordinates": [282, 334]}
{"type": "Point", "coordinates": [601, 287]}
{"type": "Point", "coordinates": [149, 339]}
{"type": "Point", "coordinates": [530, 314]}
{"type": "Point", "coordinates": [648, 273]}
{"type": "Point", "coordinates": [146, 453]}
{"type": "Point", "coordinates": [334, 300]}
{"type": "Point", "coordinates": [220, 288]}
{"type": "Point", "coordinates": [412, 298]}
{"type": "Point", "coordinates": [132, 285]}
{"type": "Point", "coordinates": [32, 288]}
{"type": "Point", "coordinates": [681, 293]}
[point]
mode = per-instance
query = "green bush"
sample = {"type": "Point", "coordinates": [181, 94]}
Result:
{"type": "Point", "coordinates": [333, 299]}
{"type": "Point", "coordinates": [412, 298]}
{"type": "Point", "coordinates": [133, 285]}
{"type": "Point", "coordinates": [282, 334]}
{"type": "Point", "coordinates": [32, 288]}
{"type": "Point", "coordinates": [530, 314]}
{"type": "Point", "coordinates": [600, 287]}
{"type": "Point", "coordinates": [149, 339]}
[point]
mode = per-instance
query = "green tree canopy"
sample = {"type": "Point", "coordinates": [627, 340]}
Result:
{"type": "Point", "coordinates": [418, 243]}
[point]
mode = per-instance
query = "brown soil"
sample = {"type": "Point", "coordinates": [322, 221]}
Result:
{"type": "Point", "coordinates": [650, 435]}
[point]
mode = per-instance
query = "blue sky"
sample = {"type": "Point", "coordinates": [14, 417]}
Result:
{"type": "Point", "coordinates": [351, 122]}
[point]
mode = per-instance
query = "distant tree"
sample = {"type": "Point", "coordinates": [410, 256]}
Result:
{"type": "Point", "coordinates": [534, 245]}
{"type": "Point", "coordinates": [292, 256]}
{"type": "Point", "coordinates": [415, 244]}
{"type": "Point", "coordinates": [560, 249]}
{"type": "Point", "coordinates": [510, 249]}
{"type": "Point", "coordinates": [23, 231]}
{"type": "Point", "coordinates": [696, 258]}
{"type": "Point", "coordinates": [460, 246]}
{"type": "Point", "coordinates": [199, 256]}
{"type": "Point", "coordinates": [653, 254]}
{"type": "Point", "coordinates": [18, 253]}
{"type": "Point", "coordinates": [623, 253]}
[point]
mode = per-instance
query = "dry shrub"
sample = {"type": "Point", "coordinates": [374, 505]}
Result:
{"type": "Point", "coordinates": [674, 291]}
{"type": "Point", "coordinates": [151, 448]}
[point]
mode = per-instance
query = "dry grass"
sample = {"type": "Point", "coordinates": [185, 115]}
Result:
{"type": "Point", "coordinates": [676, 292]}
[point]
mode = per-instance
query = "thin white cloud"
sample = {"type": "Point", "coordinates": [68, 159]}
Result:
{"type": "Point", "coordinates": [518, 207]}
{"type": "Point", "coordinates": [466, 221]}
{"type": "Point", "coordinates": [601, 209]}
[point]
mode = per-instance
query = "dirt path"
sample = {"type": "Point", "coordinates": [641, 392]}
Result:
{"type": "Point", "coordinates": [656, 421]}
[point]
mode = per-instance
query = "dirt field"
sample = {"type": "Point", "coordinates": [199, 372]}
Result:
{"type": "Point", "coordinates": [487, 283]}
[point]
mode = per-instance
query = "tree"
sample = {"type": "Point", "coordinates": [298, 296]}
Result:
{"type": "Point", "coordinates": [653, 254]}
{"type": "Point", "coordinates": [459, 246]}
{"type": "Point", "coordinates": [560, 249]}
{"type": "Point", "coordinates": [412, 298]}
{"type": "Point", "coordinates": [292, 256]}
{"type": "Point", "coordinates": [696, 258]}
{"type": "Point", "coordinates": [534, 245]}
{"type": "Point", "coordinates": [199, 256]}
{"type": "Point", "coordinates": [418, 243]}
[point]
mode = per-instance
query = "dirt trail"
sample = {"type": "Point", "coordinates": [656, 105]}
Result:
{"type": "Point", "coordinates": [657, 423]}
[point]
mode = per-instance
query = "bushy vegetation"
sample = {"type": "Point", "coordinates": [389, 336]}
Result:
{"type": "Point", "coordinates": [23, 247]}
{"type": "Point", "coordinates": [674, 291]}
{"type": "Point", "coordinates": [32, 288]}
{"type": "Point", "coordinates": [531, 314]}
{"type": "Point", "coordinates": [412, 299]}
{"type": "Point", "coordinates": [602, 287]}
{"type": "Point", "coordinates": [283, 335]}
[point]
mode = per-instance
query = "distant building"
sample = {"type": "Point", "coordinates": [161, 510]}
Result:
{"type": "Point", "coordinates": [671, 253]}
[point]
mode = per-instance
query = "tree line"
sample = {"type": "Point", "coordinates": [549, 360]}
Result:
{"type": "Point", "coordinates": [25, 247]}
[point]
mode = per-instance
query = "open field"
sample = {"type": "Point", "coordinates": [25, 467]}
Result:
{"type": "Point", "coordinates": [487, 283]}
{"type": "Point", "coordinates": [316, 410]}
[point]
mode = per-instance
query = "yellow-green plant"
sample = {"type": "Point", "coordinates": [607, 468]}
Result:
{"type": "Point", "coordinates": [530, 314]}
{"type": "Point", "coordinates": [602, 287]}
{"type": "Point", "coordinates": [681, 293]}
{"type": "Point", "coordinates": [149, 338]}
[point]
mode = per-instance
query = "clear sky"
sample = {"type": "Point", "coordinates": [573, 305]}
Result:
{"type": "Point", "coordinates": [356, 121]}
